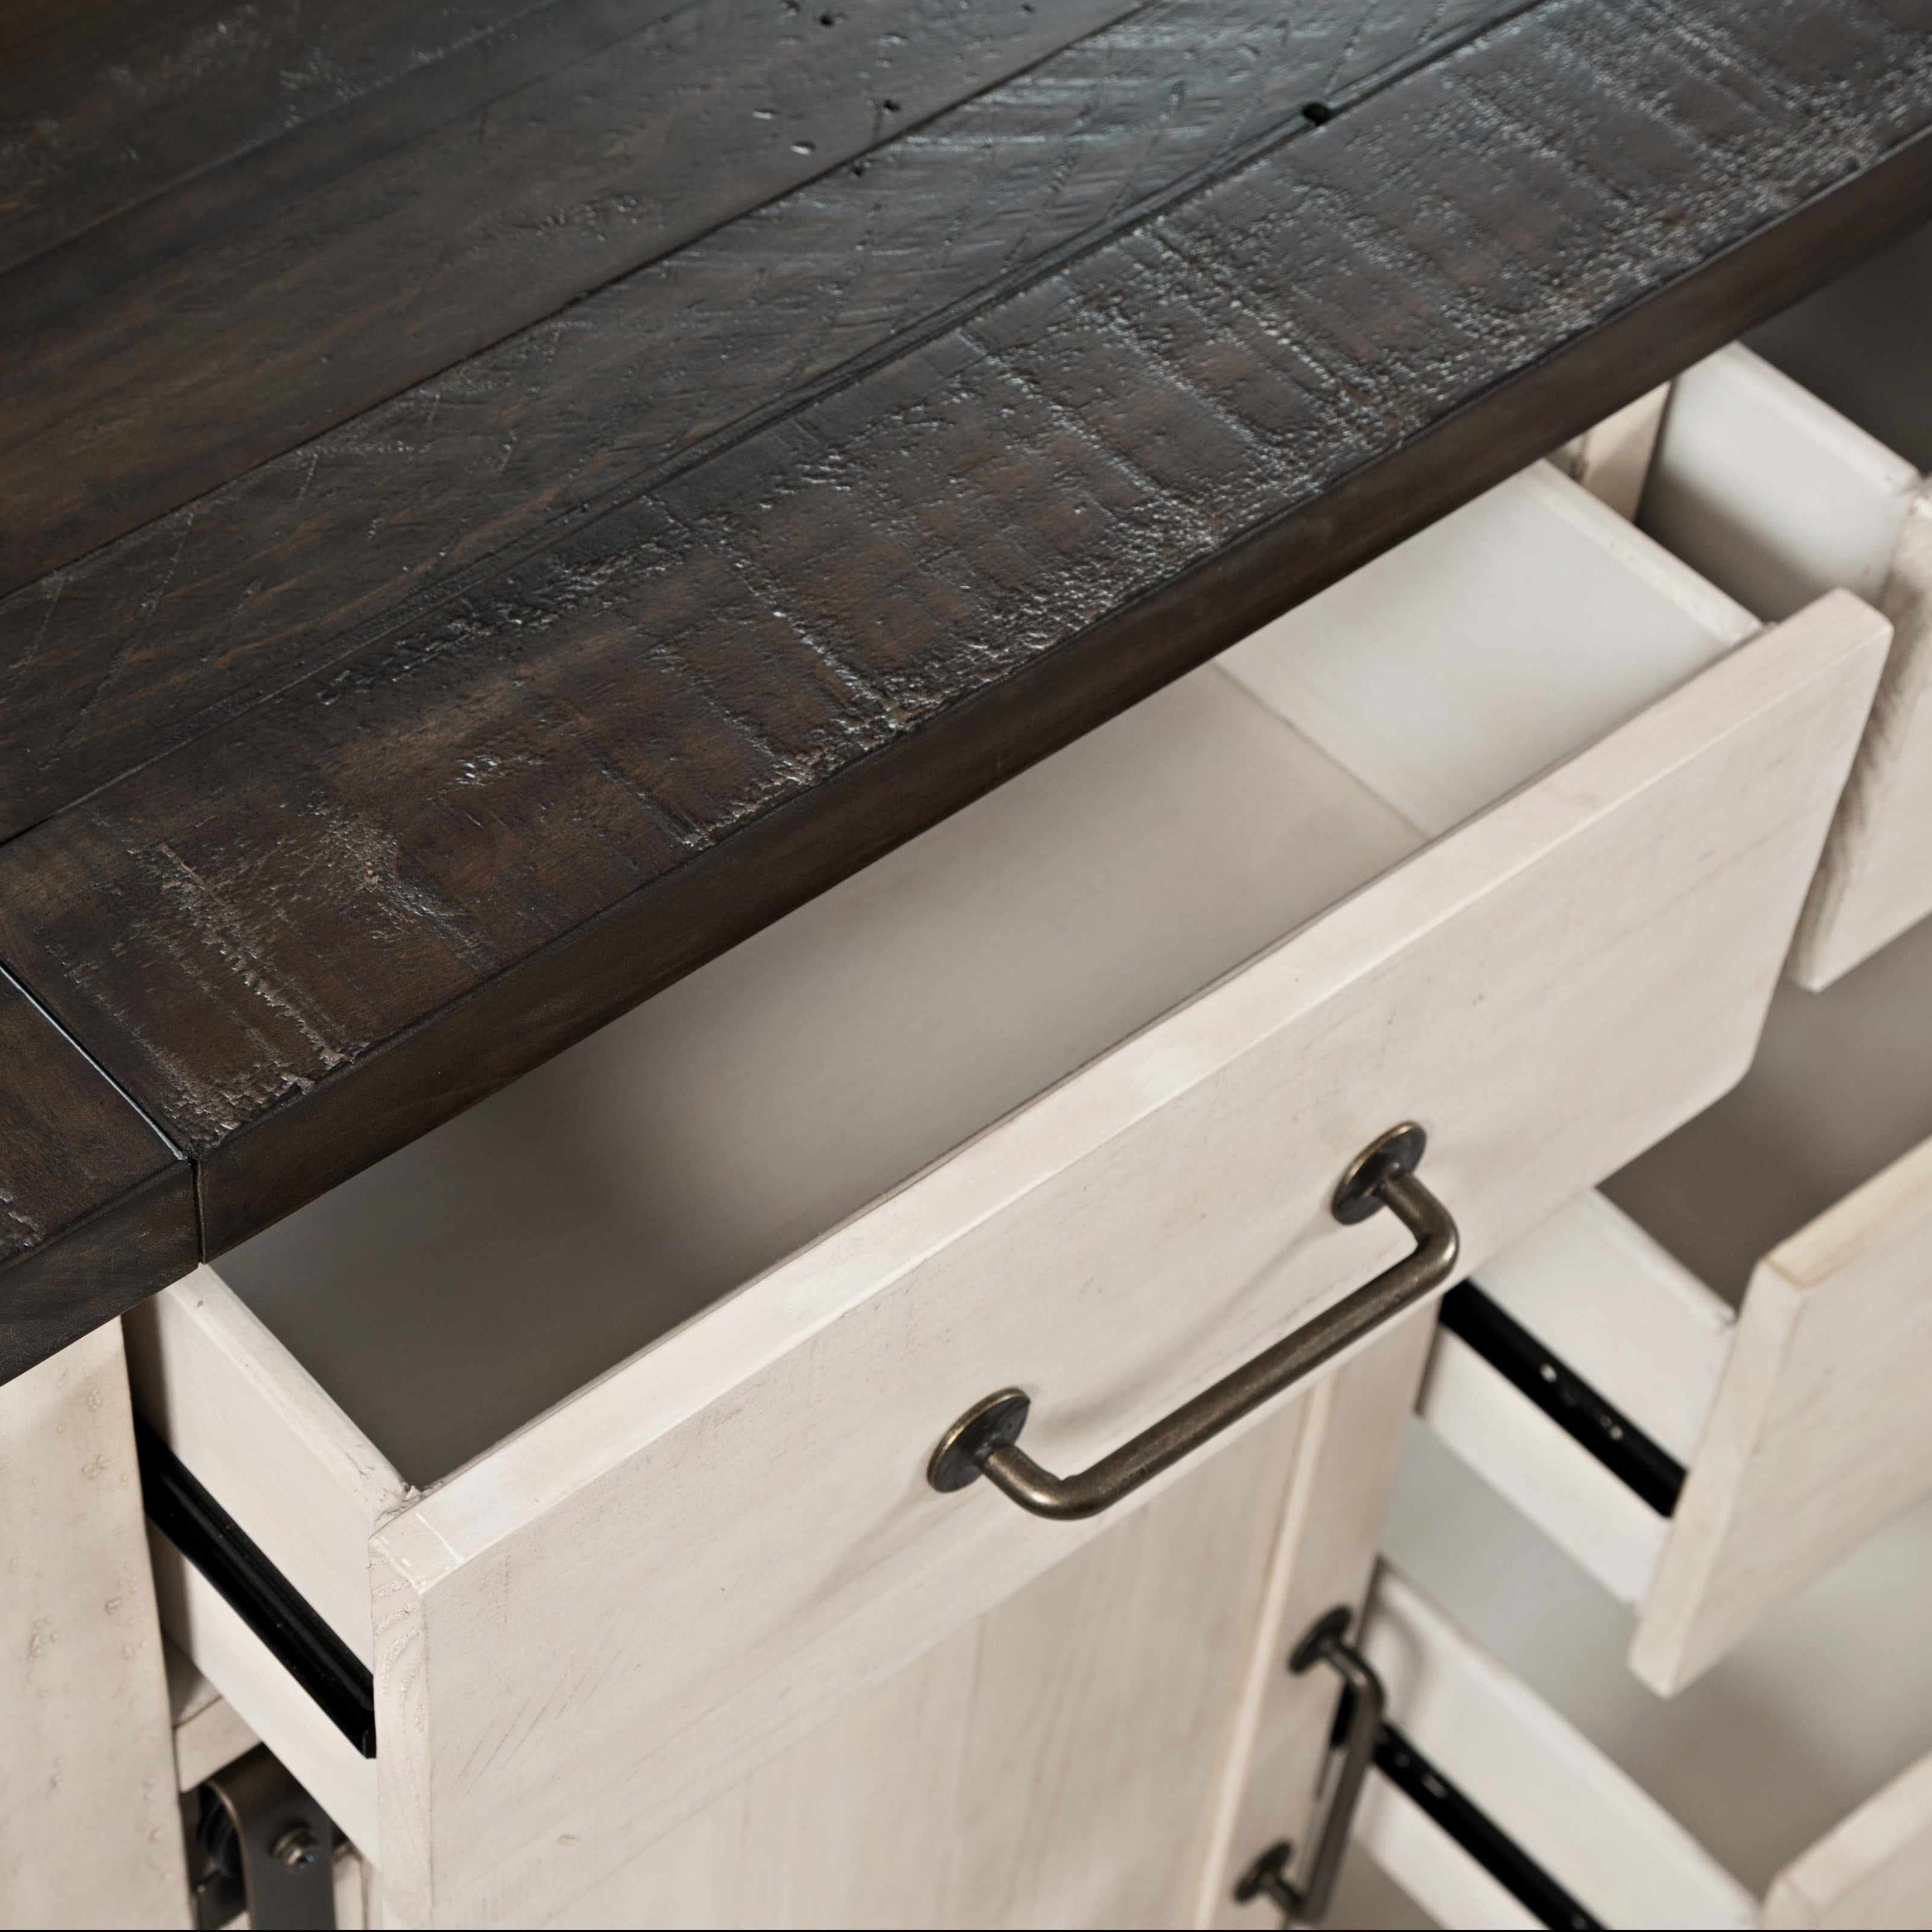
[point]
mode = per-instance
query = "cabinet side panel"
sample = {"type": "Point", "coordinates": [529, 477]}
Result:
{"type": "Point", "coordinates": [89, 1831]}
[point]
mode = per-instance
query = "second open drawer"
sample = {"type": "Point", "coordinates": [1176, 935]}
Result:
{"type": "Point", "coordinates": [596, 1423]}
{"type": "Point", "coordinates": [1754, 1296]}
{"type": "Point", "coordinates": [1777, 478]}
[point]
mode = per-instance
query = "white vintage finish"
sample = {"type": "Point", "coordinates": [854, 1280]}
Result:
{"type": "Point", "coordinates": [264, 1696]}
{"type": "Point", "coordinates": [89, 1833]}
{"type": "Point", "coordinates": [627, 1606]}
{"type": "Point", "coordinates": [1335, 1514]}
{"type": "Point", "coordinates": [1611, 459]}
{"type": "Point", "coordinates": [1802, 1758]}
{"type": "Point", "coordinates": [209, 1732]}
{"type": "Point", "coordinates": [1775, 496]}
{"type": "Point", "coordinates": [1802, 1419]}
{"type": "Point", "coordinates": [1875, 1870]}
{"type": "Point", "coordinates": [260, 1433]}
{"type": "Point", "coordinates": [1615, 1849]}
{"type": "Point", "coordinates": [1062, 1760]}
{"type": "Point", "coordinates": [1821, 1431]}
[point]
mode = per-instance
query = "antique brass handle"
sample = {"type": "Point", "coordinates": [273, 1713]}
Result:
{"type": "Point", "coordinates": [1307, 1903]}
{"type": "Point", "coordinates": [985, 1440]}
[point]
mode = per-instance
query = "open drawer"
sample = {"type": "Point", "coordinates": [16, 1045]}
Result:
{"type": "Point", "coordinates": [1753, 1299]}
{"type": "Point", "coordinates": [1763, 485]}
{"type": "Point", "coordinates": [597, 1422]}
{"type": "Point", "coordinates": [1793, 1788]}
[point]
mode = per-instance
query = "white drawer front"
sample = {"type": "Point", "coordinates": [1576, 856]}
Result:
{"type": "Point", "coordinates": [624, 1608]}
{"type": "Point", "coordinates": [1805, 1197]}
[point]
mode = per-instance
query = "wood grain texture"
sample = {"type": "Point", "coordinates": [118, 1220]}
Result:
{"type": "Point", "coordinates": [95, 1211]}
{"type": "Point", "coordinates": [89, 1833]}
{"type": "Point", "coordinates": [342, 916]}
{"type": "Point", "coordinates": [1271, 1777]}
{"type": "Point", "coordinates": [1875, 1870]}
{"type": "Point", "coordinates": [109, 108]}
{"type": "Point", "coordinates": [1574, 940]}
{"type": "Point", "coordinates": [1053, 1763]}
{"type": "Point", "coordinates": [1876, 881]}
{"type": "Point", "coordinates": [1774, 495]}
{"type": "Point", "coordinates": [1819, 1434]}
{"type": "Point", "coordinates": [1617, 1851]}
{"type": "Point", "coordinates": [355, 284]}
{"type": "Point", "coordinates": [287, 568]}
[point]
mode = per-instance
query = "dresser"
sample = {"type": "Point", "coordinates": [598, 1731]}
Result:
{"type": "Point", "coordinates": [966, 965]}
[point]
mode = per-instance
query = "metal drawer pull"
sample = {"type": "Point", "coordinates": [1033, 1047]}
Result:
{"type": "Point", "coordinates": [1365, 1701]}
{"type": "Point", "coordinates": [984, 1440]}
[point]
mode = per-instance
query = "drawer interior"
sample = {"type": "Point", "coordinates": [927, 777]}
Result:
{"type": "Point", "coordinates": [1785, 463]}
{"type": "Point", "coordinates": [1807, 1719]}
{"type": "Point", "coordinates": [1770, 492]}
{"type": "Point", "coordinates": [453, 1292]}
{"type": "Point", "coordinates": [1841, 1088]}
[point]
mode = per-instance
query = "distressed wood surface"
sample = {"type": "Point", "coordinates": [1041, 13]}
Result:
{"type": "Point", "coordinates": [358, 280]}
{"type": "Point", "coordinates": [343, 915]}
{"type": "Point", "coordinates": [286, 568]}
{"type": "Point", "coordinates": [95, 1211]}
{"type": "Point", "coordinates": [1053, 1763]}
{"type": "Point", "coordinates": [89, 1832]}
{"type": "Point", "coordinates": [1819, 1435]}
{"type": "Point", "coordinates": [1575, 939]}
{"type": "Point", "coordinates": [310, 860]}
{"type": "Point", "coordinates": [1272, 1778]}
{"type": "Point", "coordinates": [108, 107]}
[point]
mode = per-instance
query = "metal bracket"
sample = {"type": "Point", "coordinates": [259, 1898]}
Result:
{"type": "Point", "coordinates": [270, 1849]}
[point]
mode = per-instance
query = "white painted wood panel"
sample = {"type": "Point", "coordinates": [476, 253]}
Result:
{"type": "Point", "coordinates": [1757, 1782]}
{"type": "Point", "coordinates": [1595, 1287]}
{"type": "Point", "coordinates": [1556, 1482]}
{"type": "Point", "coordinates": [1431, 1867]}
{"type": "Point", "coordinates": [266, 1442]}
{"type": "Point", "coordinates": [1054, 1763]}
{"type": "Point", "coordinates": [1770, 493]}
{"type": "Point", "coordinates": [1813, 1432]}
{"type": "Point", "coordinates": [1821, 1431]}
{"type": "Point", "coordinates": [1270, 1776]}
{"type": "Point", "coordinates": [1613, 1848]}
{"type": "Point", "coordinates": [1601, 1295]}
{"type": "Point", "coordinates": [1876, 878]}
{"type": "Point", "coordinates": [1611, 458]}
{"type": "Point", "coordinates": [1610, 933]}
{"type": "Point", "coordinates": [1773, 494]}
{"type": "Point", "coordinates": [1070, 1759]}
{"type": "Point", "coordinates": [255, 1682]}
{"type": "Point", "coordinates": [209, 1732]}
{"type": "Point", "coordinates": [1874, 1870]}
{"type": "Point", "coordinates": [89, 1832]}
{"type": "Point", "coordinates": [1488, 648]}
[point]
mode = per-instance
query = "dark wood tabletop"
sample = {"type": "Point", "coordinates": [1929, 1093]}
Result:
{"type": "Point", "coordinates": [499, 502]}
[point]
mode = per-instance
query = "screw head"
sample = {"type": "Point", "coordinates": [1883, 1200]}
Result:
{"type": "Point", "coordinates": [296, 1848]}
